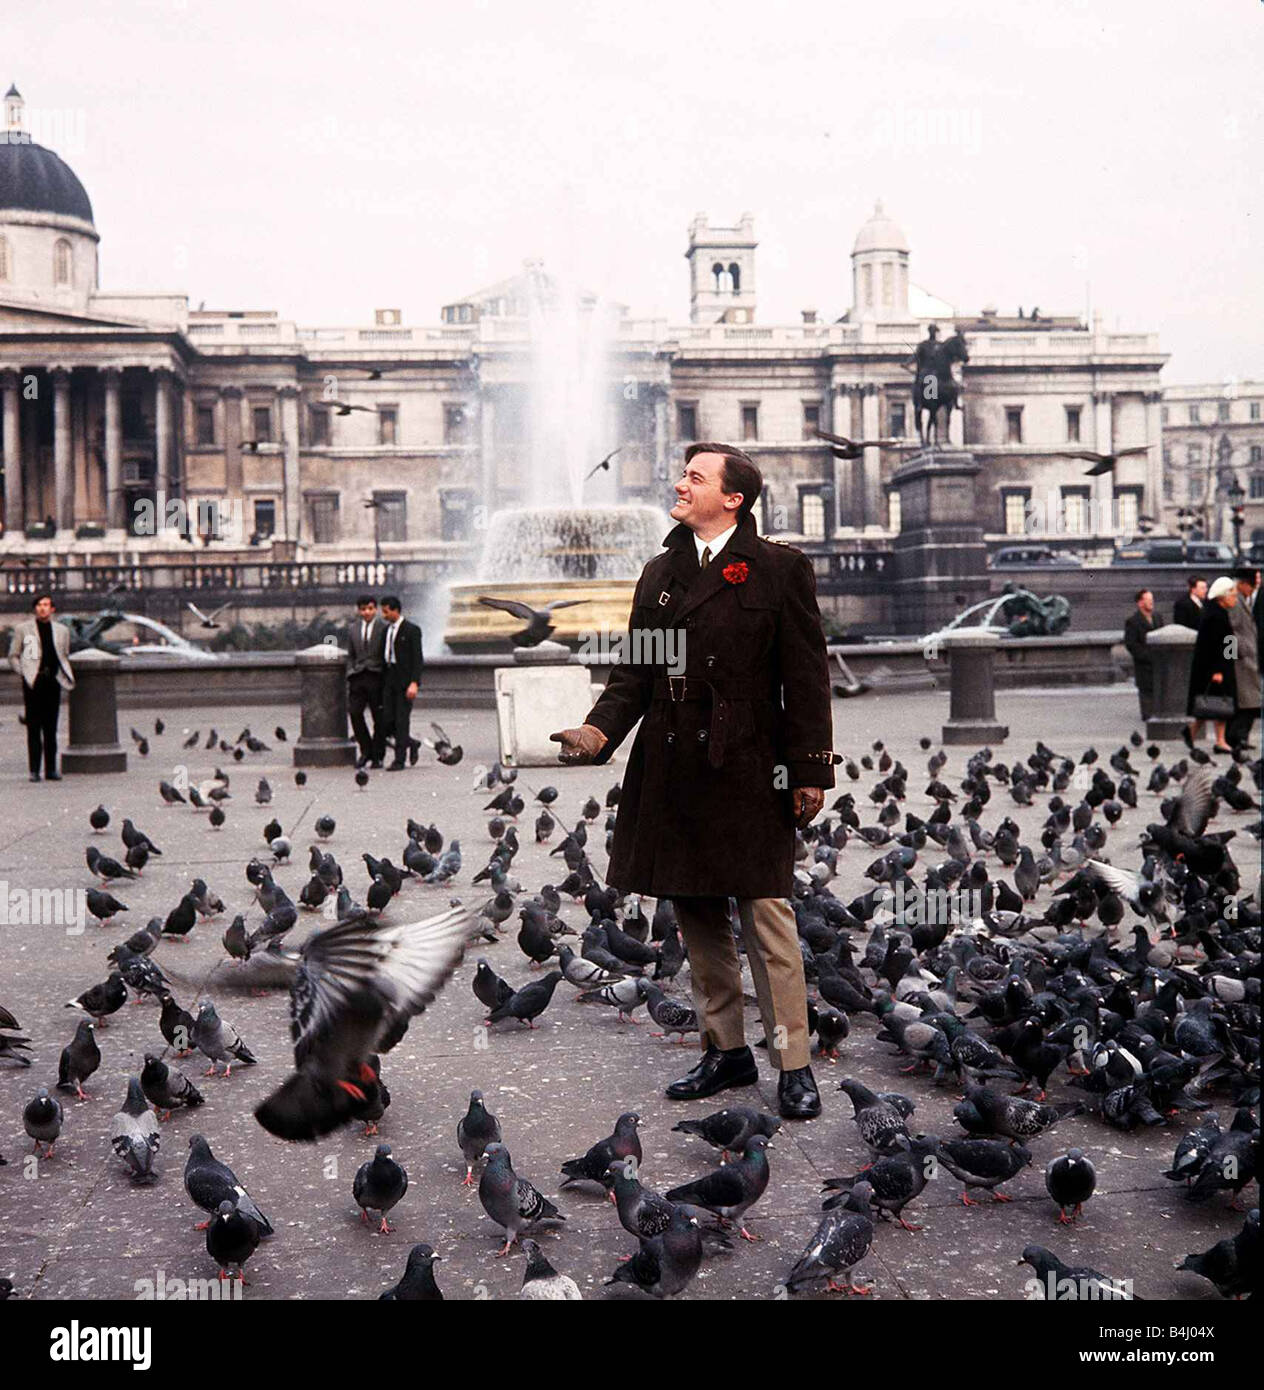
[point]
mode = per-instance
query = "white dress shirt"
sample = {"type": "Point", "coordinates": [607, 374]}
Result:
{"type": "Point", "coordinates": [392, 629]}
{"type": "Point", "coordinates": [716, 544]}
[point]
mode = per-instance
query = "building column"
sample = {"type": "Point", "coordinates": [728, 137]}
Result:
{"type": "Point", "coordinates": [289, 439]}
{"type": "Point", "coordinates": [1153, 500]}
{"type": "Point", "coordinates": [872, 467]}
{"type": "Point", "coordinates": [115, 500]}
{"type": "Point", "coordinates": [14, 499]}
{"type": "Point", "coordinates": [162, 438]}
{"type": "Point", "coordinates": [230, 409]}
{"type": "Point", "coordinates": [1103, 437]}
{"type": "Point", "coordinates": [63, 475]}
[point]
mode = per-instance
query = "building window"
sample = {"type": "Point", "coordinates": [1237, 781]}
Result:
{"type": "Point", "coordinates": [261, 418]}
{"type": "Point", "coordinates": [1193, 415]}
{"type": "Point", "coordinates": [1073, 424]}
{"type": "Point", "coordinates": [1014, 510]}
{"type": "Point", "coordinates": [894, 515]}
{"type": "Point", "coordinates": [63, 262]}
{"type": "Point", "coordinates": [1195, 487]}
{"type": "Point", "coordinates": [391, 516]}
{"type": "Point", "coordinates": [317, 426]}
{"type": "Point", "coordinates": [1169, 488]}
{"type": "Point", "coordinates": [205, 425]}
{"type": "Point", "coordinates": [387, 424]}
{"type": "Point", "coordinates": [207, 512]}
{"type": "Point", "coordinates": [1163, 415]}
{"type": "Point", "coordinates": [4, 258]}
{"type": "Point", "coordinates": [1013, 424]}
{"type": "Point", "coordinates": [456, 514]}
{"type": "Point", "coordinates": [898, 416]}
{"type": "Point", "coordinates": [812, 516]}
{"type": "Point", "coordinates": [1257, 487]}
{"type": "Point", "coordinates": [265, 518]}
{"type": "Point", "coordinates": [1257, 453]}
{"type": "Point", "coordinates": [686, 420]}
{"type": "Point", "coordinates": [1194, 454]}
{"type": "Point", "coordinates": [1127, 510]}
{"type": "Point", "coordinates": [811, 419]}
{"type": "Point", "coordinates": [1255, 410]}
{"type": "Point", "coordinates": [1222, 410]}
{"type": "Point", "coordinates": [750, 422]}
{"type": "Point", "coordinates": [1075, 510]}
{"type": "Point", "coordinates": [322, 517]}
{"type": "Point", "coordinates": [454, 424]}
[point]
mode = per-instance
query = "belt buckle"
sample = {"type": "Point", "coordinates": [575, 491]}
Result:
{"type": "Point", "coordinates": [671, 689]}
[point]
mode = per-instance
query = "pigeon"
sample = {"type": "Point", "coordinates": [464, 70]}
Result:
{"type": "Point", "coordinates": [379, 1184]}
{"type": "Point", "coordinates": [541, 1281]}
{"type": "Point", "coordinates": [418, 1284]}
{"type": "Point", "coordinates": [1232, 1264]}
{"type": "Point", "coordinates": [99, 819]}
{"type": "Point", "coordinates": [528, 1003]}
{"type": "Point", "coordinates": [167, 1089]}
{"type": "Point", "coordinates": [1058, 1282]}
{"type": "Point", "coordinates": [134, 1134]}
{"type": "Point", "coordinates": [983, 1163]}
{"type": "Point", "coordinates": [1011, 1116]}
{"type": "Point", "coordinates": [105, 868]}
{"type": "Point", "coordinates": [729, 1130]}
{"type": "Point", "coordinates": [476, 1129]}
{"type": "Point", "coordinates": [102, 1000]}
{"type": "Point", "coordinates": [592, 1167]}
{"type": "Point", "coordinates": [231, 1238]}
{"type": "Point", "coordinates": [210, 1182]}
{"type": "Point", "coordinates": [896, 1179]}
{"type": "Point", "coordinates": [730, 1191]}
{"type": "Point", "coordinates": [171, 795]}
{"type": "Point", "coordinates": [325, 827]}
{"type": "Point", "coordinates": [448, 753]}
{"type": "Point", "coordinates": [539, 622]}
{"type": "Point", "coordinates": [879, 1121]}
{"type": "Point", "coordinates": [841, 1241]}
{"type": "Point", "coordinates": [511, 1201]}
{"type": "Point", "coordinates": [671, 1016]}
{"type": "Point", "coordinates": [624, 996]}
{"type": "Point", "coordinates": [666, 1263]}
{"type": "Point", "coordinates": [263, 792]}
{"type": "Point", "coordinates": [182, 918]}
{"type": "Point", "coordinates": [219, 1041]}
{"type": "Point", "coordinates": [489, 989]}
{"type": "Point", "coordinates": [580, 971]}
{"type": "Point", "coordinates": [357, 985]}
{"type": "Point", "coordinates": [1070, 1180]}
{"type": "Point", "coordinates": [42, 1119]}
{"type": "Point", "coordinates": [176, 1025]}
{"type": "Point", "coordinates": [139, 972]}
{"type": "Point", "coordinates": [79, 1059]}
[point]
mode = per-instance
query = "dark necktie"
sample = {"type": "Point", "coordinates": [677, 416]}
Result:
{"type": "Point", "coordinates": [706, 557]}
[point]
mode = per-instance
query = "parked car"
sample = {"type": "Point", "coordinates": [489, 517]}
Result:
{"type": "Point", "coordinates": [1170, 550]}
{"type": "Point", "coordinates": [131, 635]}
{"type": "Point", "coordinates": [1021, 557]}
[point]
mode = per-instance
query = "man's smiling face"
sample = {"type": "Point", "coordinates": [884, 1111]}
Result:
{"type": "Point", "coordinates": [701, 502]}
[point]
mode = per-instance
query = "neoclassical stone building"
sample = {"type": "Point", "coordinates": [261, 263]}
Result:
{"type": "Point", "coordinates": [383, 440]}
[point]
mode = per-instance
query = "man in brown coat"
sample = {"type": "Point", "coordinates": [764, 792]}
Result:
{"type": "Point", "coordinates": [734, 752]}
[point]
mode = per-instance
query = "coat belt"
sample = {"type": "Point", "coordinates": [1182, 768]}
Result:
{"type": "Point", "coordinates": [679, 690]}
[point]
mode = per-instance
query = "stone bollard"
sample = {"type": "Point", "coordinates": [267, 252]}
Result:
{"type": "Point", "coordinates": [94, 744]}
{"type": "Point", "coordinates": [972, 701]}
{"type": "Point", "coordinates": [1172, 648]}
{"type": "Point", "coordinates": [323, 740]}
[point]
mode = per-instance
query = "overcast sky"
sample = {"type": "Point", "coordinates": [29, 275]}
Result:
{"type": "Point", "coordinates": [325, 159]}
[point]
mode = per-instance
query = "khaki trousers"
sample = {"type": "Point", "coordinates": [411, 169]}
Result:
{"type": "Point", "coordinates": [771, 940]}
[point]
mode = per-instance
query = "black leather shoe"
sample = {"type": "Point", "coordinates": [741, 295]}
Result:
{"type": "Point", "coordinates": [718, 1071]}
{"type": "Point", "coordinates": [414, 751]}
{"type": "Point", "coordinates": [52, 777]}
{"type": "Point", "coordinates": [34, 777]}
{"type": "Point", "coordinates": [797, 1096]}
{"type": "Point", "coordinates": [375, 765]}
{"type": "Point", "coordinates": [361, 761]}
{"type": "Point", "coordinates": [396, 767]}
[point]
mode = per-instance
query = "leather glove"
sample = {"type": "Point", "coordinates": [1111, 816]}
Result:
{"type": "Point", "coordinates": [581, 745]}
{"type": "Point", "coordinates": [806, 801]}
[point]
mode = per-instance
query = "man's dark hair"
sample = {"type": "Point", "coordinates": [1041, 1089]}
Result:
{"type": "Point", "coordinates": [1140, 594]}
{"type": "Point", "coordinates": [739, 474]}
{"type": "Point", "coordinates": [365, 598]}
{"type": "Point", "coordinates": [1195, 579]}
{"type": "Point", "coordinates": [390, 601]}
{"type": "Point", "coordinates": [39, 598]}
{"type": "Point", "coordinates": [1245, 574]}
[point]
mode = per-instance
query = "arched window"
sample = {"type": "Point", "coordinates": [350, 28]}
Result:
{"type": "Point", "coordinates": [63, 262]}
{"type": "Point", "coordinates": [4, 258]}
{"type": "Point", "coordinates": [735, 275]}
{"type": "Point", "coordinates": [717, 270]}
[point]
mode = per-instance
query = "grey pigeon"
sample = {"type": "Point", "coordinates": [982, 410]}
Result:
{"type": "Point", "coordinates": [379, 1184]}
{"type": "Point", "coordinates": [665, 1264]}
{"type": "Point", "coordinates": [418, 1284]}
{"type": "Point", "coordinates": [134, 1134]}
{"type": "Point", "coordinates": [511, 1201]}
{"type": "Point", "coordinates": [218, 1040]}
{"type": "Point", "coordinates": [730, 1129]}
{"type": "Point", "coordinates": [79, 1059]}
{"type": "Point", "coordinates": [477, 1128]}
{"type": "Point", "coordinates": [42, 1119]}
{"type": "Point", "coordinates": [542, 1283]}
{"type": "Point", "coordinates": [732, 1190]}
{"type": "Point", "coordinates": [167, 1089]}
{"type": "Point", "coordinates": [841, 1241]}
{"type": "Point", "coordinates": [210, 1182]}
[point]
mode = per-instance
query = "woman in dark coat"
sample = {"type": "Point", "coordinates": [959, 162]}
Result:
{"type": "Point", "coordinates": [1212, 672]}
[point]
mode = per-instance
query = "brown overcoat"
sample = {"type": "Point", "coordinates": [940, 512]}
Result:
{"type": "Point", "coordinates": [705, 808]}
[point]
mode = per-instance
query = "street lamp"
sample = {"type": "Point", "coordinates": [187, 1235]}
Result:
{"type": "Point", "coordinates": [1186, 520]}
{"type": "Point", "coordinates": [1237, 496]}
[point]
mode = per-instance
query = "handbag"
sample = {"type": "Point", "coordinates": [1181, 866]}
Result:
{"type": "Point", "coordinates": [1214, 707]}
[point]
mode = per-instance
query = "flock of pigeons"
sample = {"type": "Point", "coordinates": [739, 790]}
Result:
{"type": "Point", "coordinates": [1136, 990]}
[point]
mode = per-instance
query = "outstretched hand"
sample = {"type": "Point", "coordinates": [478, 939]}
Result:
{"type": "Point", "coordinates": [807, 802]}
{"type": "Point", "coordinates": [579, 745]}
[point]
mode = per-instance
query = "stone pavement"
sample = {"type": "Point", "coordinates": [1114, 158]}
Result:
{"type": "Point", "coordinates": [73, 1226]}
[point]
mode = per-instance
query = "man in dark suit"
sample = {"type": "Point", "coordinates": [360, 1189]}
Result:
{"type": "Point", "coordinates": [734, 751]}
{"type": "Point", "coordinates": [40, 654]}
{"type": "Point", "coordinates": [1188, 611]}
{"type": "Point", "coordinates": [1139, 626]}
{"type": "Point", "coordinates": [366, 643]}
{"type": "Point", "coordinates": [401, 680]}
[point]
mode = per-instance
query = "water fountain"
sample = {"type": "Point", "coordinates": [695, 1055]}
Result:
{"type": "Point", "coordinates": [557, 545]}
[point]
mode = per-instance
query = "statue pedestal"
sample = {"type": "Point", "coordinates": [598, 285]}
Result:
{"type": "Point", "coordinates": [536, 698]}
{"type": "Point", "coordinates": [323, 740]}
{"type": "Point", "coordinates": [1173, 651]}
{"type": "Point", "coordinates": [940, 559]}
{"type": "Point", "coordinates": [972, 698]}
{"type": "Point", "coordinates": [94, 745]}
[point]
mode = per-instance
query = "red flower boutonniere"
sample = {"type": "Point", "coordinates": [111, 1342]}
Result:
{"type": "Point", "coordinates": [737, 572]}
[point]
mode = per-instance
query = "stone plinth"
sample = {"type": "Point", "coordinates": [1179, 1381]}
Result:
{"type": "Point", "coordinates": [533, 700]}
{"type": "Point", "coordinates": [1172, 648]}
{"type": "Point", "coordinates": [323, 740]}
{"type": "Point", "coordinates": [94, 744]}
{"type": "Point", "coordinates": [972, 698]}
{"type": "Point", "coordinates": [940, 559]}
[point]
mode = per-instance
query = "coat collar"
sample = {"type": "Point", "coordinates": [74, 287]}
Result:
{"type": "Point", "coordinates": [745, 540]}
{"type": "Point", "coordinates": [702, 584]}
